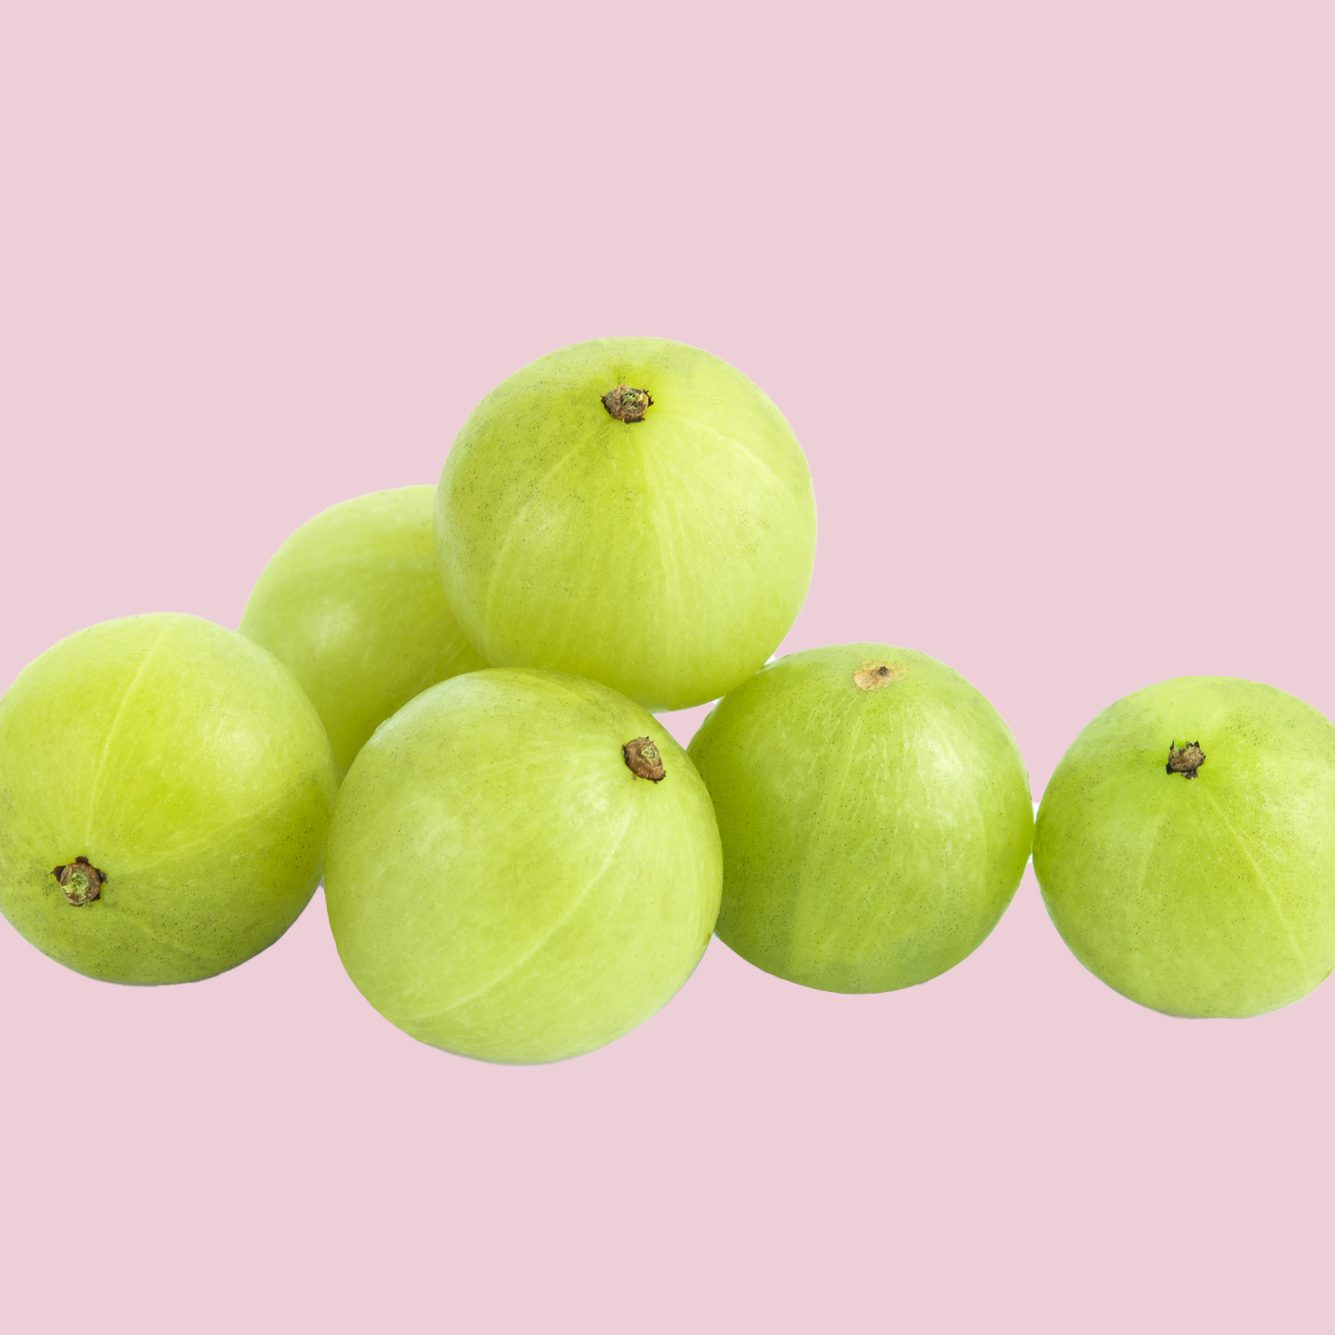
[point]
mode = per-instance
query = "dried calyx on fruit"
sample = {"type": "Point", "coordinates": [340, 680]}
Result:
{"type": "Point", "coordinates": [80, 880]}
{"type": "Point", "coordinates": [1185, 760]}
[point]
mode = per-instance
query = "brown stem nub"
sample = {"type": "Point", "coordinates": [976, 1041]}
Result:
{"type": "Point", "coordinates": [81, 881]}
{"type": "Point", "coordinates": [872, 676]}
{"type": "Point", "coordinates": [626, 404]}
{"type": "Point", "coordinates": [1185, 759]}
{"type": "Point", "coordinates": [643, 760]}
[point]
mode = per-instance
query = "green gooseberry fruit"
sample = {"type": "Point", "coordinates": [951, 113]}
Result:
{"type": "Point", "coordinates": [1186, 847]}
{"type": "Point", "coordinates": [875, 817]}
{"type": "Point", "coordinates": [165, 791]}
{"type": "Point", "coordinates": [631, 510]}
{"type": "Point", "coordinates": [352, 604]}
{"type": "Point", "coordinates": [522, 866]}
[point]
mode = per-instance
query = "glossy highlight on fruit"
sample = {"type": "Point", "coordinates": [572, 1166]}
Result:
{"type": "Point", "coordinates": [875, 817]}
{"type": "Point", "coordinates": [522, 867]}
{"type": "Point", "coordinates": [352, 604]}
{"type": "Point", "coordinates": [1186, 847]}
{"type": "Point", "coordinates": [165, 791]}
{"type": "Point", "coordinates": [631, 510]}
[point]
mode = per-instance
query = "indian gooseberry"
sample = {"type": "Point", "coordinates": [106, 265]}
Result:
{"type": "Point", "coordinates": [632, 510]}
{"type": "Point", "coordinates": [875, 817]}
{"type": "Point", "coordinates": [522, 866]}
{"type": "Point", "coordinates": [1186, 847]}
{"type": "Point", "coordinates": [165, 791]}
{"type": "Point", "coordinates": [352, 604]}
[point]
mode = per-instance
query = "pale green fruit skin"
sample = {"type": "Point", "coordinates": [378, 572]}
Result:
{"type": "Point", "coordinates": [871, 838]}
{"type": "Point", "coordinates": [1212, 896]}
{"type": "Point", "coordinates": [186, 764]}
{"type": "Point", "coordinates": [666, 558]}
{"type": "Point", "coordinates": [351, 603]}
{"type": "Point", "coordinates": [501, 885]}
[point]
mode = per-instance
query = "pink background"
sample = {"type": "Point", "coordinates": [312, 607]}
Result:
{"type": "Point", "coordinates": [1046, 291]}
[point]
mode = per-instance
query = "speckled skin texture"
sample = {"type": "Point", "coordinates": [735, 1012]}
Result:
{"type": "Point", "coordinates": [352, 605]}
{"type": "Point", "coordinates": [875, 816]}
{"type": "Point", "coordinates": [1208, 896]}
{"type": "Point", "coordinates": [666, 557]}
{"type": "Point", "coordinates": [186, 764]}
{"type": "Point", "coordinates": [501, 885]}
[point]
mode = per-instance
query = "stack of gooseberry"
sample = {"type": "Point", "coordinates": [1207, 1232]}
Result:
{"type": "Point", "coordinates": [442, 696]}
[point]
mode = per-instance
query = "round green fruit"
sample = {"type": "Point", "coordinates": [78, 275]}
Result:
{"type": "Point", "coordinates": [875, 816]}
{"type": "Point", "coordinates": [165, 791]}
{"type": "Point", "coordinates": [1186, 847]}
{"type": "Point", "coordinates": [352, 604]}
{"type": "Point", "coordinates": [632, 510]}
{"type": "Point", "coordinates": [522, 867]}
